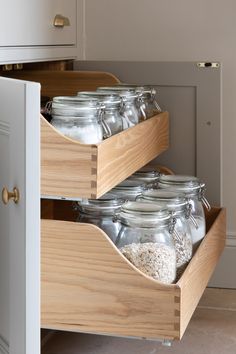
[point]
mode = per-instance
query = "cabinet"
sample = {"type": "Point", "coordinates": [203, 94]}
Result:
{"type": "Point", "coordinates": [38, 30]}
{"type": "Point", "coordinates": [86, 284]}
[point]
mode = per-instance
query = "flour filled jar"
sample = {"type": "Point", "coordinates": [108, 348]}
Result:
{"type": "Point", "coordinates": [113, 106]}
{"type": "Point", "coordinates": [195, 191]}
{"type": "Point", "coordinates": [179, 206]}
{"type": "Point", "coordinates": [100, 212]}
{"type": "Point", "coordinates": [79, 119]}
{"type": "Point", "coordinates": [145, 239]}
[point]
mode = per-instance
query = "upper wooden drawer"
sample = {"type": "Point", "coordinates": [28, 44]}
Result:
{"type": "Point", "coordinates": [30, 23]}
{"type": "Point", "coordinates": [73, 170]}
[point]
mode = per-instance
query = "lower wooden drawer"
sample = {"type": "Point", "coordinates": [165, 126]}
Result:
{"type": "Point", "coordinates": [88, 286]}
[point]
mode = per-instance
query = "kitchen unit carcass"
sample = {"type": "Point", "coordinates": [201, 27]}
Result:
{"type": "Point", "coordinates": [78, 261]}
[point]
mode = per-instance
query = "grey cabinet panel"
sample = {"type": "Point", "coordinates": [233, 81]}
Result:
{"type": "Point", "coordinates": [192, 95]}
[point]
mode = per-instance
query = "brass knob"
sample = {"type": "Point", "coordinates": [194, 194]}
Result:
{"type": "Point", "coordinates": [14, 195]}
{"type": "Point", "coordinates": [61, 21]}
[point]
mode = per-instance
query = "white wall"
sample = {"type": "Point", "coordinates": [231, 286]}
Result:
{"type": "Point", "coordinates": [170, 30]}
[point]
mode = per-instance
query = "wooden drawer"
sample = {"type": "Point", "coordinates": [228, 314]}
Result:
{"type": "Point", "coordinates": [72, 170]}
{"type": "Point", "coordinates": [88, 286]}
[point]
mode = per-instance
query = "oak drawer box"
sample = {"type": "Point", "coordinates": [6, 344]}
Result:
{"type": "Point", "coordinates": [72, 170]}
{"type": "Point", "coordinates": [88, 286]}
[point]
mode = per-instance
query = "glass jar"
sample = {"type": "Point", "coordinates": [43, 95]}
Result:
{"type": "Point", "coordinates": [131, 106]}
{"type": "Point", "coordinates": [79, 119]}
{"type": "Point", "coordinates": [147, 177]}
{"type": "Point", "coordinates": [113, 106]}
{"type": "Point", "coordinates": [128, 189]}
{"type": "Point", "coordinates": [100, 212]}
{"type": "Point", "coordinates": [145, 239]}
{"type": "Point", "coordinates": [147, 99]}
{"type": "Point", "coordinates": [194, 190]}
{"type": "Point", "coordinates": [180, 207]}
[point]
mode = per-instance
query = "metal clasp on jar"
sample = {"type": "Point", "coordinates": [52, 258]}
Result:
{"type": "Point", "coordinates": [153, 100]}
{"type": "Point", "coordinates": [189, 215]}
{"type": "Point", "coordinates": [126, 121]}
{"type": "Point", "coordinates": [172, 223]}
{"type": "Point", "coordinates": [202, 198]}
{"type": "Point", "coordinates": [106, 129]}
{"type": "Point", "coordinates": [141, 105]}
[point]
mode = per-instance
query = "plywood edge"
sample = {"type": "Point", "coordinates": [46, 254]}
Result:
{"type": "Point", "coordinates": [196, 276]}
{"type": "Point", "coordinates": [87, 285]}
{"type": "Point", "coordinates": [133, 148]}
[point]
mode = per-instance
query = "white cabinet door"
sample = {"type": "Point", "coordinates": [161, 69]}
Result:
{"type": "Point", "coordinates": [19, 230]}
{"type": "Point", "coordinates": [30, 23]}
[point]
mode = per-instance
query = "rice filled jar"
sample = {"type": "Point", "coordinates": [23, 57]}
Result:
{"type": "Point", "coordinates": [180, 208]}
{"type": "Point", "coordinates": [113, 106]}
{"type": "Point", "coordinates": [194, 190]}
{"type": "Point", "coordinates": [100, 212]}
{"type": "Point", "coordinates": [145, 239]}
{"type": "Point", "coordinates": [79, 119]}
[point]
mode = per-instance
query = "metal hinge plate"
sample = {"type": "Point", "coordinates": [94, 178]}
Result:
{"type": "Point", "coordinates": [208, 64]}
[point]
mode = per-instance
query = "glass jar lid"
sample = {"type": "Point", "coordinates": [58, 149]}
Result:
{"type": "Point", "coordinates": [75, 106]}
{"type": "Point", "coordinates": [141, 214]}
{"type": "Point", "coordinates": [125, 93]}
{"type": "Point", "coordinates": [142, 175]}
{"type": "Point", "coordinates": [108, 99]}
{"type": "Point", "coordinates": [181, 182]}
{"type": "Point", "coordinates": [189, 185]}
{"type": "Point", "coordinates": [174, 201]}
{"type": "Point", "coordinates": [145, 89]}
{"type": "Point", "coordinates": [129, 186]}
{"type": "Point", "coordinates": [102, 206]}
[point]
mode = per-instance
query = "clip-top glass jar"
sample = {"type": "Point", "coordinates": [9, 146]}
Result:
{"type": "Point", "coordinates": [100, 212]}
{"type": "Point", "coordinates": [147, 99]}
{"type": "Point", "coordinates": [131, 105]}
{"type": "Point", "coordinates": [128, 189]}
{"type": "Point", "coordinates": [113, 106]}
{"type": "Point", "coordinates": [149, 177]}
{"type": "Point", "coordinates": [194, 190]}
{"type": "Point", "coordinates": [180, 207]}
{"type": "Point", "coordinates": [79, 118]}
{"type": "Point", "coordinates": [145, 239]}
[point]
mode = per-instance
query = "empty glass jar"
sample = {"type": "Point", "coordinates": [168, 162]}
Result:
{"type": "Point", "coordinates": [79, 118]}
{"type": "Point", "coordinates": [147, 99]}
{"type": "Point", "coordinates": [128, 190]}
{"type": "Point", "coordinates": [194, 190]}
{"type": "Point", "coordinates": [100, 212]}
{"type": "Point", "coordinates": [145, 239]}
{"type": "Point", "coordinates": [147, 177]}
{"type": "Point", "coordinates": [113, 106]}
{"type": "Point", "coordinates": [131, 105]}
{"type": "Point", "coordinates": [180, 207]}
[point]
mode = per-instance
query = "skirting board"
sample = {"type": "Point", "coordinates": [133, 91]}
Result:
{"type": "Point", "coordinates": [224, 274]}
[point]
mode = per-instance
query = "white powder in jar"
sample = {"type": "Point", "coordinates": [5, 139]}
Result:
{"type": "Point", "coordinates": [154, 259]}
{"type": "Point", "coordinates": [199, 233]}
{"type": "Point", "coordinates": [88, 134]}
